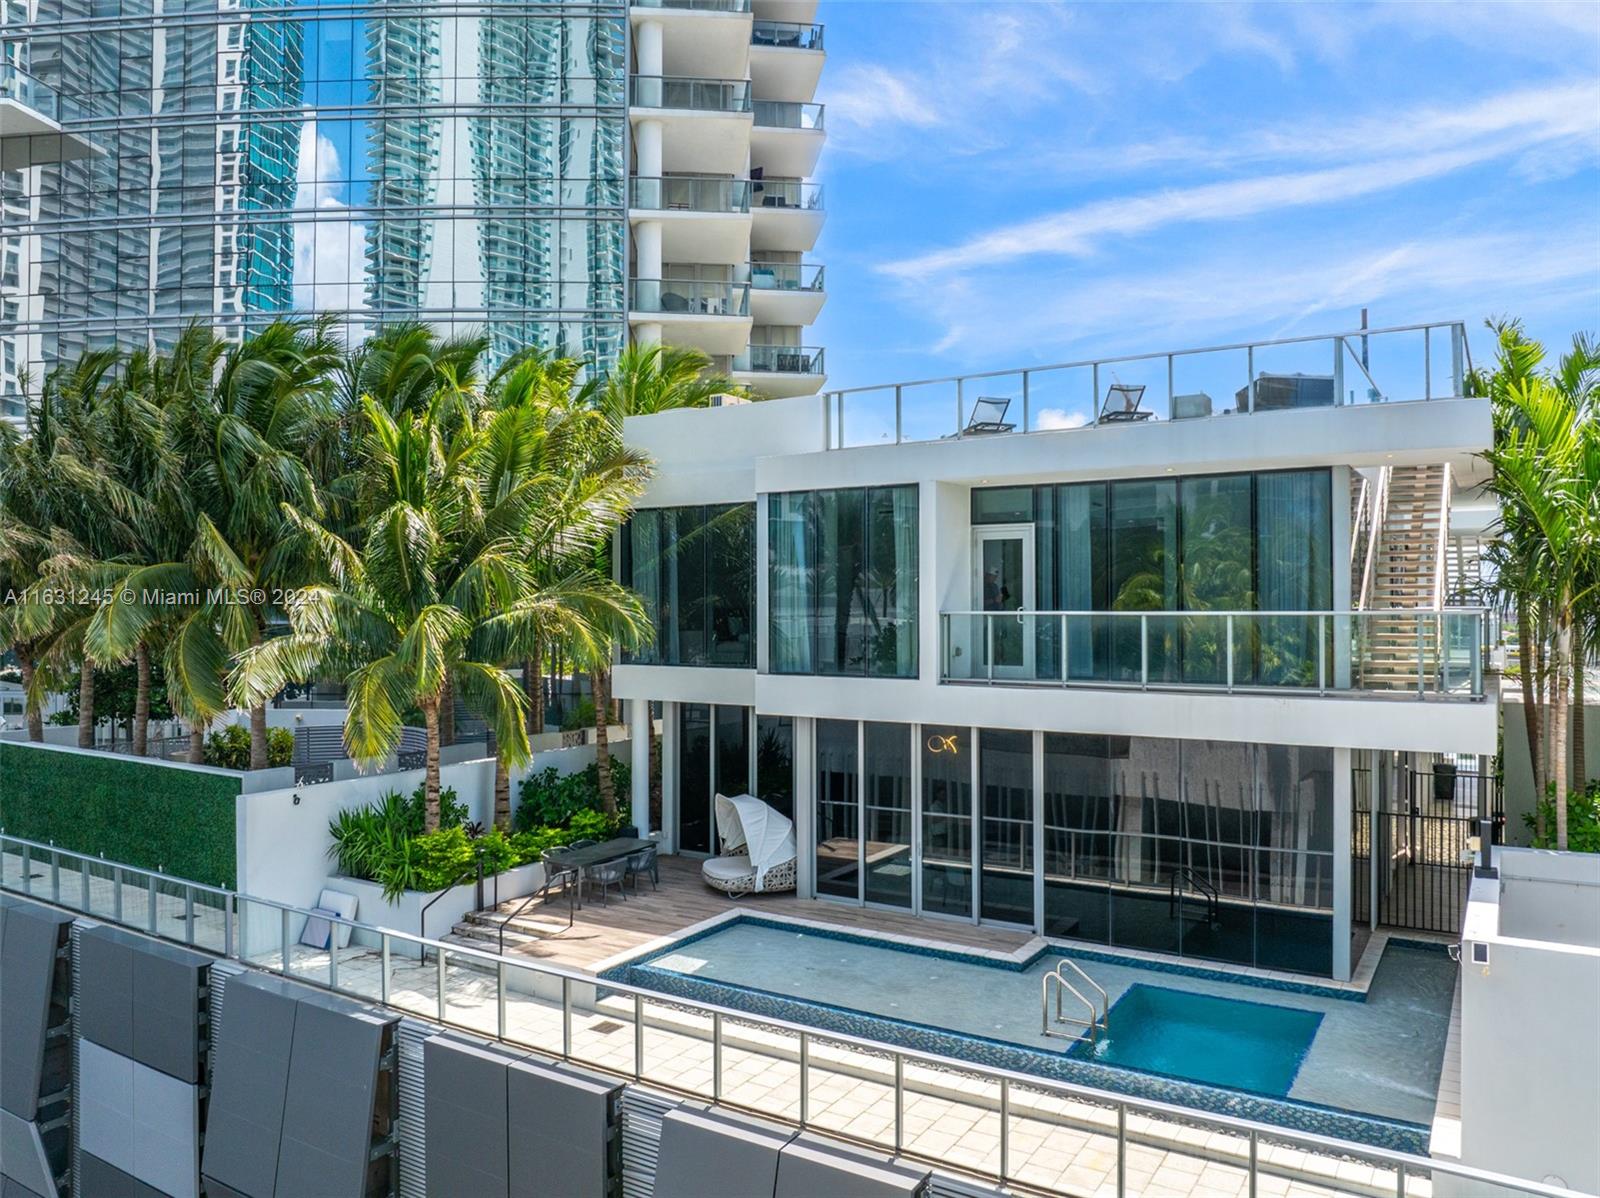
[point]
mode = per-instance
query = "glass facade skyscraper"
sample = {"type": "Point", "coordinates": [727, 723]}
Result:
{"type": "Point", "coordinates": [378, 163]}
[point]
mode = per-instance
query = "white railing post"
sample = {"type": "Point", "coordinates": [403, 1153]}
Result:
{"type": "Point", "coordinates": [638, 1036]}
{"type": "Point", "coordinates": [805, 1079]}
{"type": "Point", "coordinates": [1322, 654]}
{"type": "Point", "coordinates": [500, 998]}
{"type": "Point", "coordinates": [1005, 1129]}
{"type": "Point", "coordinates": [1026, 427]}
{"type": "Point", "coordinates": [439, 983]}
{"type": "Point", "coordinates": [385, 952]}
{"type": "Point", "coordinates": [1427, 362]}
{"type": "Point", "coordinates": [1094, 399]}
{"type": "Point", "coordinates": [1144, 651]}
{"type": "Point", "coordinates": [1064, 659]}
{"type": "Point", "coordinates": [1229, 619]}
{"type": "Point", "coordinates": [988, 643]}
{"type": "Point", "coordinates": [283, 938]}
{"type": "Point", "coordinates": [899, 419]}
{"type": "Point", "coordinates": [566, 1016]}
{"type": "Point", "coordinates": [1421, 653]}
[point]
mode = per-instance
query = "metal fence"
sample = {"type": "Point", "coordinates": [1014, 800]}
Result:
{"type": "Point", "coordinates": [731, 1057]}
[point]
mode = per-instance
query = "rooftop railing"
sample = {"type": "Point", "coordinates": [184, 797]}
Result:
{"type": "Point", "coordinates": [781, 359]}
{"type": "Point", "coordinates": [1418, 653]}
{"type": "Point", "coordinates": [690, 297]}
{"type": "Point", "coordinates": [786, 35]}
{"type": "Point", "coordinates": [689, 193]}
{"type": "Point", "coordinates": [785, 1071]}
{"type": "Point", "coordinates": [786, 276]}
{"type": "Point", "coordinates": [700, 95]}
{"type": "Point", "coordinates": [702, 5]}
{"type": "Point", "coordinates": [1363, 366]}
{"type": "Point", "coordinates": [788, 114]}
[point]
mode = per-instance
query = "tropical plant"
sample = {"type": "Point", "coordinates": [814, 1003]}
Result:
{"type": "Point", "coordinates": [229, 748]}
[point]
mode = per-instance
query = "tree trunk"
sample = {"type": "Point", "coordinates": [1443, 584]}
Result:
{"type": "Point", "coordinates": [1580, 748]}
{"type": "Point", "coordinates": [35, 716]}
{"type": "Point", "coordinates": [86, 703]}
{"type": "Point", "coordinates": [197, 743]}
{"type": "Point", "coordinates": [599, 683]}
{"type": "Point", "coordinates": [1530, 702]}
{"type": "Point", "coordinates": [258, 721]}
{"type": "Point", "coordinates": [447, 714]}
{"type": "Point", "coordinates": [1558, 677]}
{"type": "Point", "coordinates": [502, 794]}
{"type": "Point", "coordinates": [141, 703]}
{"type": "Point", "coordinates": [430, 781]}
{"type": "Point", "coordinates": [533, 687]}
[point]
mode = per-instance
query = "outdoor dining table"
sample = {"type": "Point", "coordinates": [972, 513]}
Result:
{"type": "Point", "coordinates": [599, 854]}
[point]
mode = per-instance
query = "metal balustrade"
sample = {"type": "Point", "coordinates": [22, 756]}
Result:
{"type": "Point", "coordinates": [17, 84]}
{"type": "Point", "coordinates": [788, 114]}
{"type": "Point", "coordinates": [674, 1042]}
{"type": "Point", "coordinates": [690, 297]}
{"type": "Point", "coordinates": [786, 276]}
{"type": "Point", "coordinates": [689, 193]}
{"type": "Point", "coordinates": [700, 5]}
{"type": "Point", "coordinates": [1362, 366]}
{"type": "Point", "coordinates": [786, 35]}
{"type": "Point", "coordinates": [701, 95]}
{"type": "Point", "coordinates": [1420, 652]}
{"type": "Point", "coordinates": [784, 359]}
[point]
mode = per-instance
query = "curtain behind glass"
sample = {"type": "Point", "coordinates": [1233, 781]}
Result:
{"type": "Point", "coordinates": [644, 535]}
{"type": "Point", "coordinates": [791, 584]}
{"type": "Point", "coordinates": [1294, 568]}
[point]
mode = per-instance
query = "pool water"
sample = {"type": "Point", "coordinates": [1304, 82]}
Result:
{"type": "Point", "coordinates": [1220, 1041]}
{"type": "Point", "coordinates": [1312, 1057]}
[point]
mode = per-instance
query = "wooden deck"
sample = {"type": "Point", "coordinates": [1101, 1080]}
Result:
{"type": "Point", "coordinates": [683, 900]}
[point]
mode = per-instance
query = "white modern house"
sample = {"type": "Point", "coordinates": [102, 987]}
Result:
{"type": "Point", "coordinates": [721, 211]}
{"type": "Point", "coordinates": [1153, 652]}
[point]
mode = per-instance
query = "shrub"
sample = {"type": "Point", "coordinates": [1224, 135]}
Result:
{"type": "Point", "coordinates": [229, 747]}
{"type": "Point", "coordinates": [442, 858]}
{"type": "Point", "coordinates": [1583, 820]}
{"type": "Point", "coordinates": [549, 800]}
{"type": "Point", "coordinates": [384, 843]}
{"type": "Point", "coordinates": [579, 715]}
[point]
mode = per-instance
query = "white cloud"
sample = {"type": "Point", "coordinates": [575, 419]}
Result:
{"type": "Point", "coordinates": [330, 248]}
{"type": "Point", "coordinates": [1434, 144]}
{"type": "Point", "coordinates": [1049, 418]}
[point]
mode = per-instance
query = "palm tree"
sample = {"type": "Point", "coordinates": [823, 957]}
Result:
{"type": "Point", "coordinates": [1546, 473]}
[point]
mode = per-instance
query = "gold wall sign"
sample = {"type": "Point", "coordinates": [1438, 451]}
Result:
{"type": "Point", "coordinates": [942, 744]}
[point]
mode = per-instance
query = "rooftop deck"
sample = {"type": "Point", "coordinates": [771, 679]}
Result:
{"type": "Point", "coordinates": [599, 934]}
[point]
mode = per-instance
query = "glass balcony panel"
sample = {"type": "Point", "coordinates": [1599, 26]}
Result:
{"type": "Point", "coordinates": [1060, 398]}
{"type": "Point", "coordinates": [17, 84]}
{"type": "Point", "coordinates": [1399, 366]}
{"type": "Point", "coordinates": [785, 193]}
{"type": "Point", "coordinates": [788, 114]}
{"type": "Point", "coordinates": [786, 35]}
{"type": "Point", "coordinates": [702, 95]}
{"type": "Point", "coordinates": [927, 410]}
{"type": "Point", "coordinates": [863, 418]}
{"type": "Point", "coordinates": [690, 297]}
{"type": "Point", "coordinates": [785, 276]}
{"type": "Point", "coordinates": [698, 5]}
{"type": "Point", "coordinates": [1206, 383]}
{"type": "Point", "coordinates": [690, 193]}
{"type": "Point", "coordinates": [782, 359]}
{"type": "Point", "coordinates": [1302, 374]}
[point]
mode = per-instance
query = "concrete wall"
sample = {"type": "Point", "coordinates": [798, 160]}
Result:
{"type": "Point", "coordinates": [1519, 772]}
{"type": "Point", "coordinates": [1530, 1058]}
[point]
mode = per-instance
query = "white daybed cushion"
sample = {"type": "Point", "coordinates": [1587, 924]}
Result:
{"type": "Point", "coordinates": [726, 869]}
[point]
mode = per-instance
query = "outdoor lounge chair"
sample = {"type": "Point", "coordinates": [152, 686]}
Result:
{"type": "Point", "coordinates": [758, 848]}
{"type": "Point", "coordinates": [988, 416]}
{"type": "Point", "coordinates": [606, 875]}
{"type": "Point", "coordinates": [1122, 404]}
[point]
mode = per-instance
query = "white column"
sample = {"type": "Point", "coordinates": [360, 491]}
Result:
{"type": "Point", "coordinates": [669, 776]}
{"type": "Point", "coordinates": [1038, 833]}
{"type": "Point", "coordinates": [1343, 805]}
{"type": "Point", "coordinates": [1344, 479]}
{"type": "Point", "coordinates": [805, 804]}
{"type": "Point", "coordinates": [647, 334]}
{"type": "Point", "coordinates": [647, 249]}
{"type": "Point", "coordinates": [639, 731]}
{"type": "Point", "coordinates": [647, 48]}
{"type": "Point", "coordinates": [647, 149]}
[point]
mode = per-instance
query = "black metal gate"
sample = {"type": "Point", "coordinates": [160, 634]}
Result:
{"type": "Point", "coordinates": [1417, 836]}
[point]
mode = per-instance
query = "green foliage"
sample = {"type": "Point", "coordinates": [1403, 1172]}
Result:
{"type": "Point", "coordinates": [229, 747]}
{"type": "Point", "coordinates": [154, 816]}
{"type": "Point", "coordinates": [384, 843]}
{"type": "Point", "coordinates": [1583, 820]}
{"type": "Point", "coordinates": [116, 690]}
{"type": "Point", "coordinates": [547, 799]}
{"type": "Point", "coordinates": [579, 715]}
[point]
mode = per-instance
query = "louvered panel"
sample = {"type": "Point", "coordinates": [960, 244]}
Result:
{"type": "Point", "coordinates": [642, 1111]}
{"type": "Point", "coordinates": [411, 1128]}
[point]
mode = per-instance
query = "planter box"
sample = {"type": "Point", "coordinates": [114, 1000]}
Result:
{"type": "Point", "coordinates": [405, 913]}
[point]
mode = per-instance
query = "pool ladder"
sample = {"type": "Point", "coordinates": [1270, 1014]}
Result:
{"type": "Point", "coordinates": [1057, 982]}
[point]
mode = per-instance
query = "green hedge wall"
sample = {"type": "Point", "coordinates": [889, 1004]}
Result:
{"type": "Point", "coordinates": [177, 820]}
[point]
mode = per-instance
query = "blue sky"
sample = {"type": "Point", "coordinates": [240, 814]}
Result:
{"type": "Point", "coordinates": [1013, 184]}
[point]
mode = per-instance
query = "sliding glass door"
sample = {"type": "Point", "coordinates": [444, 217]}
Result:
{"type": "Point", "coordinates": [714, 754]}
{"type": "Point", "coordinates": [1005, 782]}
{"type": "Point", "coordinates": [946, 820]}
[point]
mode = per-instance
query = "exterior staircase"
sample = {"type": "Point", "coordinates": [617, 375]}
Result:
{"type": "Point", "coordinates": [1404, 571]}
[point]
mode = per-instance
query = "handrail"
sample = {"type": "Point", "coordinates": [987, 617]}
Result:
{"type": "Point", "coordinates": [542, 892]}
{"type": "Point", "coordinates": [1444, 539]}
{"type": "Point", "coordinates": [1380, 514]}
{"type": "Point", "coordinates": [571, 980]}
{"type": "Point", "coordinates": [1091, 1024]}
{"type": "Point", "coordinates": [475, 867]}
{"type": "Point", "coordinates": [1213, 896]}
{"type": "Point", "coordinates": [1105, 999]}
{"type": "Point", "coordinates": [1361, 523]}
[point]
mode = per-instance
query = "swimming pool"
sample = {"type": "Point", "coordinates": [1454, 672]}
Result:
{"type": "Point", "coordinates": [1333, 1063]}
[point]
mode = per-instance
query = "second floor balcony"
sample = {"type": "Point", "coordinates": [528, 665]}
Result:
{"type": "Point", "coordinates": [689, 193]}
{"type": "Point", "coordinates": [779, 359]}
{"type": "Point", "coordinates": [690, 297]}
{"type": "Point", "coordinates": [1406, 653]}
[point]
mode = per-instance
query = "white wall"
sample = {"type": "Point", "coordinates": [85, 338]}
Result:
{"type": "Point", "coordinates": [1530, 1056]}
{"type": "Point", "coordinates": [708, 455]}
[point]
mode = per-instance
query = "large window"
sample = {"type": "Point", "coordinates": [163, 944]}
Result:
{"type": "Point", "coordinates": [946, 820]}
{"type": "Point", "coordinates": [838, 828]}
{"type": "Point", "coordinates": [888, 813]}
{"type": "Point", "coordinates": [714, 754]}
{"type": "Point", "coordinates": [694, 570]}
{"type": "Point", "coordinates": [775, 762]}
{"type": "Point", "coordinates": [843, 582]}
{"type": "Point", "coordinates": [1207, 543]}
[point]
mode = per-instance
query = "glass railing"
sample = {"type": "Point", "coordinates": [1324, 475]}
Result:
{"type": "Point", "coordinates": [701, 95]}
{"type": "Point", "coordinates": [1364, 366]}
{"type": "Point", "coordinates": [1421, 653]}
{"type": "Point", "coordinates": [781, 359]}
{"type": "Point", "coordinates": [785, 193]}
{"type": "Point", "coordinates": [786, 35]}
{"type": "Point", "coordinates": [785, 276]}
{"type": "Point", "coordinates": [788, 114]}
{"type": "Point", "coordinates": [689, 193]}
{"type": "Point", "coordinates": [701, 5]}
{"type": "Point", "coordinates": [16, 84]}
{"type": "Point", "coordinates": [789, 1071]}
{"type": "Point", "coordinates": [690, 297]}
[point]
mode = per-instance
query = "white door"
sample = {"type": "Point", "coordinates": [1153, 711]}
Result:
{"type": "Point", "coordinates": [1002, 584]}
